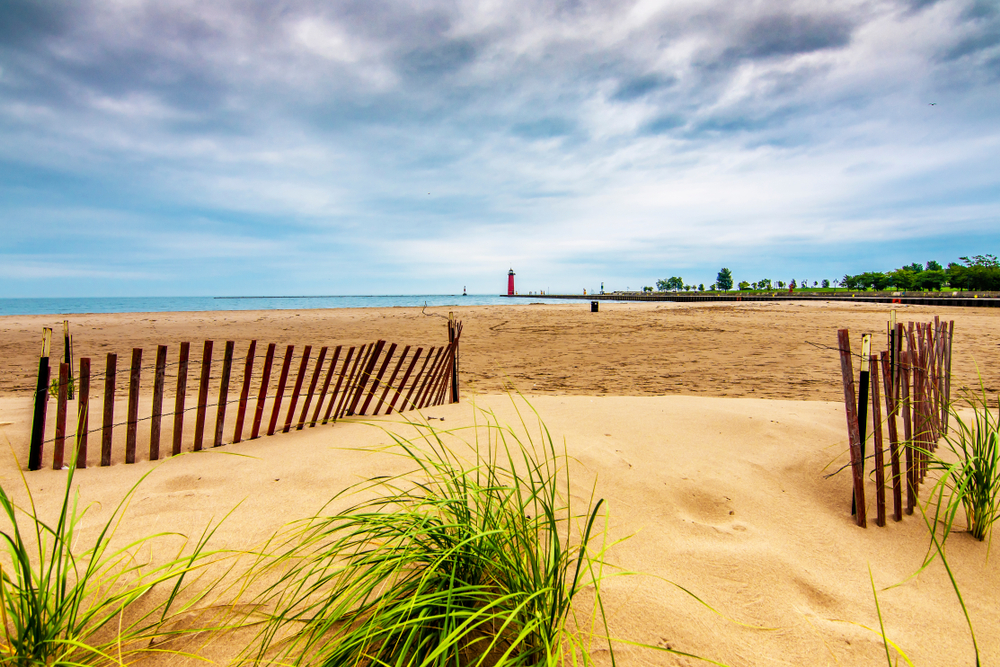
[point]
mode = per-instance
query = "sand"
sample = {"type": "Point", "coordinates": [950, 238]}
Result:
{"type": "Point", "coordinates": [724, 496]}
{"type": "Point", "coordinates": [755, 350]}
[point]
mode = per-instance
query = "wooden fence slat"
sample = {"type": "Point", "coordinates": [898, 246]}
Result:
{"type": "Point", "coordinates": [265, 379]}
{"type": "Point", "coordinates": [349, 386]}
{"type": "Point", "coordinates": [879, 445]}
{"type": "Point", "coordinates": [156, 414]}
{"type": "Point", "coordinates": [59, 445]}
{"type": "Point", "coordinates": [109, 408]}
{"type": "Point", "coordinates": [421, 399]}
{"type": "Point", "coordinates": [457, 329]}
{"type": "Point", "coordinates": [244, 392]}
{"type": "Point", "coordinates": [312, 388]}
{"type": "Point", "coordinates": [402, 383]}
{"type": "Point", "coordinates": [182, 372]}
{"type": "Point", "coordinates": [444, 386]}
{"type": "Point", "coordinates": [298, 388]}
{"type": "Point", "coordinates": [41, 400]}
{"type": "Point", "coordinates": [326, 386]}
{"type": "Point", "coordinates": [220, 415]}
{"type": "Point", "coordinates": [83, 420]}
{"type": "Point", "coordinates": [365, 377]}
{"type": "Point", "coordinates": [280, 392]}
{"type": "Point", "coordinates": [449, 378]}
{"type": "Point", "coordinates": [389, 385]}
{"type": "Point", "coordinates": [351, 392]}
{"type": "Point", "coordinates": [336, 389]}
{"type": "Point", "coordinates": [440, 382]}
{"type": "Point", "coordinates": [853, 432]}
{"type": "Point", "coordinates": [132, 425]}
{"type": "Point", "coordinates": [947, 376]}
{"type": "Point", "coordinates": [206, 374]}
{"type": "Point", "coordinates": [904, 400]}
{"type": "Point", "coordinates": [407, 405]}
{"type": "Point", "coordinates": [378, 378]}
{"type": "Point", "coordinates": [891, 408]}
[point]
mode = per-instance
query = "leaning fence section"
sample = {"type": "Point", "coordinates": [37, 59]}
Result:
{"type": "Point", "coordinates": [911, 381]}
{"type": "Point", "coordinates": [295, 389]}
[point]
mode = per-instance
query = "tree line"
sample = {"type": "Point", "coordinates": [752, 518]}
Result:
{"type": "Point", "coordinates": [976, 273]}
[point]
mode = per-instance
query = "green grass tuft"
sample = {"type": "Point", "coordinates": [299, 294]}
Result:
{"type": "Point", "coordinates": [476, 559]}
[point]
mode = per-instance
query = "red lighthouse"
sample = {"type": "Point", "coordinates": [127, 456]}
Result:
{"type": "Point", "coordinates": [510, 283]}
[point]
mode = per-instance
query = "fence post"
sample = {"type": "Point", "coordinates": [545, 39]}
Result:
{"type": "Point", "coordinates": [336, 389]}
{"type": "Point", "coordinates": [83, 420]}
{"type": "Point", "coordinates": [366, 372]}
{"type": "Point", "coordinates": [402, 383]}
{"type": "Point", "coordinates": [378, 379]}
{"type": "Point", "coordinates": [904, 399]}
{"type": "Point", "coordinates": [853, 431]}
{"type": "Point", "coordinates": [455, 335]}
{"type": "Point", "coordinates": [891, 408]}
{"type": "Point", "coordinates": [220, 415]}
{"type": "Point", "coordinates": [107, 427]}
{"type": "Point", "coordinates": [392, 378]}
{"type": "Point", "coordinates": [281, 389]}
{"type": "Point", "coordinates": [341, 405]}
{"type": "Point", "coordinates": [299, 378]}
{"type": "Point", "coordinates": [879, 456]}
{"type": "Point", "coordinates": [206, 376]}
{"type": "Point", "coordinates": [312, 387]}
{"type": "Point", "coordinates": [326, 385]}
{"type": "Point", "coordinates": [41, 398]}
{"type": "Point", "coordinates": [68, 357]}
{"type": "Point", "coordinates": [947, 375]}
{"type": "Point", "coordinates": [60, 441]}
{"type": "Point", "coordinates": [265, 379]}
{"type": "Point", "coordinates": [182, 373]}
{"type": "Point", "coordinates": [133, 405]}
{"type": "Point", "coordinates": [156, 417]}
{"type": "Point", "coordinates": [245, 392]}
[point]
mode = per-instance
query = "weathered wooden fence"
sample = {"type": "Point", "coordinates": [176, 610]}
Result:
{"type": "Point", "coordinates": [915, 385]}
{"type": "Point", "coordinates": [370, 379]}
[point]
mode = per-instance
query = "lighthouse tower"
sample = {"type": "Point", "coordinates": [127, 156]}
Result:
{"type": "Point", "coordinates": [510, 283]}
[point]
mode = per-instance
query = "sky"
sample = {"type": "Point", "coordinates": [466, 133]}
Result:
{"type": "Point", "coordinates": [232, 147]}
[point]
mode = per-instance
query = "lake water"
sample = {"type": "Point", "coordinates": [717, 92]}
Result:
{"type": "Point", "coordinates": [162, 304]}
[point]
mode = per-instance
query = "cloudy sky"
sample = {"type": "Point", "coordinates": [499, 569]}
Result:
{"type": "Point", "coordinates": [183, 147]}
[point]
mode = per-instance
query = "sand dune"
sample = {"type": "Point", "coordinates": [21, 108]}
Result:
{"type": "Point", "coordinates": [725, 497]}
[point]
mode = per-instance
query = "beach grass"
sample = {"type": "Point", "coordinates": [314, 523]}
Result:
{"type": "Point", "coordinates": [970, 479]}
{"type": "Point", "coordinates": [70, 596]}
{"type": "Point", "coordinates": [476, 557]}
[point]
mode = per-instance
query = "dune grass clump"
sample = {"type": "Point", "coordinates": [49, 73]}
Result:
{"type": "Point", "coordinates": [972, 481]}
{"type": "Point", "coordinates": [475, 558]}
{"type": "Point", "coordinates": [67, 600]}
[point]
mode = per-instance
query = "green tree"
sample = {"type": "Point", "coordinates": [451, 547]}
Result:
{"type": "Point", "coordinates": [826, 283]}
{"type": "Point", "coordinates": [744, 285]}
{"type": "Point", "coordinates": [670, 284]}
{"type": "Point", "coordinates": [725, 279]}
{"type": "Point", "coordinates": [933, 266]}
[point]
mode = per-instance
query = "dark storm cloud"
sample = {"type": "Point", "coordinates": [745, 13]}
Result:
{"type": "Point", "coordinates": [790, 34]}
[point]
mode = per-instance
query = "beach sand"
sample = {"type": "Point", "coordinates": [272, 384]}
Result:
{"type": "Point", "coordinates": [691, 422]}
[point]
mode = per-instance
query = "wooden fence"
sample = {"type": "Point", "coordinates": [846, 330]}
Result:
{"type": "Point", "coordinates": [915, 385]}
{"type": "Point", "coordinates": [345, 381]}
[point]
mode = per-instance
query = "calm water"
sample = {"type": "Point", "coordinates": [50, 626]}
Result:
{"type": "Point", "coordinates": [162, 304]}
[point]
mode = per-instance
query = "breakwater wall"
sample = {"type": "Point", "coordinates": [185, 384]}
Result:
{"type": "Point", "coordinates": [962, 299]}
